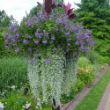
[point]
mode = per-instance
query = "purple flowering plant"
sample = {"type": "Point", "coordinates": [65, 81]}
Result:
{"type": "Point", "coordinates": [49, 28]}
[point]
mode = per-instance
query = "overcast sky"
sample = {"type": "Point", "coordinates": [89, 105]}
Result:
{"type": "Point", "coordinates": [19, 8]}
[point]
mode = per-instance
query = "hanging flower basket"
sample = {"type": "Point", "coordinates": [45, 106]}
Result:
{"type": "Point", "coordinates": [53, 42]}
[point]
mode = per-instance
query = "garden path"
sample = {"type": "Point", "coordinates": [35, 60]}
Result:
{"type": "Point", "coordinates": [105, 101]}
{"type": "Point", "coordinates": [80, 96]}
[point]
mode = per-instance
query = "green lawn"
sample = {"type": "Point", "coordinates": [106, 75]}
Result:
{"type": "Point", "coordinates": [91, 101]}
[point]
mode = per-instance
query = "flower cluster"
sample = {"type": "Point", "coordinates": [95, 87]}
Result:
{"type": "Point", "coordinates": [53, 30]}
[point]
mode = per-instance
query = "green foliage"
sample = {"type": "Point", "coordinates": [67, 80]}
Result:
{"type": "Point", "coordinates": [77, 87]}
{"type": "Point", "coordinates": [85, 71]}
{"type": "Point", "coordinates": [4, 19]}
{"type": "Point", "coordinates": [12, 72]}
{"type": "Point", "coordinates": [3, 51]}
{"type": "Point", "coordinates": [16, 100]}
{"type": "Point", "coordinates": [95, 15]}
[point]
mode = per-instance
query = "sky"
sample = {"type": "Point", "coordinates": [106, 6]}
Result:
{"type": "Point", "coordinates": [19, 8]}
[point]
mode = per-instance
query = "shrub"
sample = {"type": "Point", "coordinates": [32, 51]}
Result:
{"type": "Point", "coordinates": [12, 72]}
{"type": "Point", "coordinates": [16, 100]}
{"type": "Point", "coordinates": [85, 71]}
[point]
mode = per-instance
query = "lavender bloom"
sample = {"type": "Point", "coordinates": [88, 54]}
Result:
{"type": "Point", "coordinates": [31, 60]}
{"type": "Point", "coordinates": [82, 49]}
{"type": "Point", "coordinates": [13, 40]}
{"type": "Point", "coordinates": [45, 34]}
{"type": "Point", "coordinates": [77, 43]}
{"type": "Point", "coordinates": [46, 61]}
{"type": "Point", "coordinates": [13, 28]}
{"type": "Point", "coordinates": [6, 41]}
{"type": "Point", "coordinates": [86, 36]}
{"type": "Point", "coordinates": [44, 41]}
{"type": "Point", "coordinates": [59, 21]}
{"type": "Point", "coordinates": [78, 35]}
{"type": "Point", "coordinates": [37, 35]}
{"type": "Point", "coordinates": [36, 42]}
{"type": "Point", "coordinates": [31, 22]}
{"type": "Point", "coordinates": [67, 33]}
{"type": "Point", "coordinates": [17, 34]}
{"type": "Point", "coordinates": [6, 46]}
{"type": "Point", "coordinates": [25, 42]}
{"type": "Point", "coordinates": [90, 42]}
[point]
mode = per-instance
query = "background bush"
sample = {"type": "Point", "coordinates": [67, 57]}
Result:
{"type": "Point", "coordinates": [86, 71]}
{"type": "Point", "coordinates": [12, 72]}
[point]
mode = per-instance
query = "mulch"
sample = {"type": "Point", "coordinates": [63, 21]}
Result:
{"type": "Point", "coordinates": [80, 96]}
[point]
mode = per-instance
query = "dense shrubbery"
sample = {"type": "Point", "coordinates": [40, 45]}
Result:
{"type": "Point", "coordinates": [85, 77]}
{"type": "Point", "coordinates": [12, 73]}
{"type": "Point", "coordinates": [86, 71]}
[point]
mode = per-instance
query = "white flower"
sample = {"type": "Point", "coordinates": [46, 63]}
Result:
{"type": "Point", "coordinates": [27, 106]}
{"type": "Point", "coordinates": [13, 87]}
{"type": "Point", "coordinates": [1, 106]}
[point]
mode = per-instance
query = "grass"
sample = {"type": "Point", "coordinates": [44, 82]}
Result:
{"type": "Point", "coordinates": [91, 101]}
{"type": "Point", "coordinates": [12, 72]}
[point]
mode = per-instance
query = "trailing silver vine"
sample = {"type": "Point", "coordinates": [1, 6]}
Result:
{"type": "Point", "coordinates": [46, 75]}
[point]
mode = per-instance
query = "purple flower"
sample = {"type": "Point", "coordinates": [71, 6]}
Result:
{"type": "Point", "coordinates": [78, 35]}
{"type": "Point", "coordinates": [17, 34]}
{"type": "Point", "coordinates": [45, 34]}
{"type": "Point", "coordinates": [6, 41]}
{"type": "Point", "coordinates": [77, 43]}
{"type": "Point", "coordinates": [46, 61]}
{"type": "Point", "coordinates": [90, 42]}
{"type": "Point", "coordinates": [67, 33]}
{"type": "Point", "coordinates": [59, 21]}
{"type": "Point", "coordinates": [13, 28]}
{"type": "Point", "coordinates": [6, 46]}
{"type": "Point", "coordinates": [25, 42]}
{"type": "Point", "coordinates": [13, 40]}
{"type": "Point", "coordinates": [36, 42]}
{"type": "Point", "coordinates": [37, 35]}
{"type": "Point", "coordinates": [44, 41]}
{"type": "Point", "coordinates": [31, 60]}
{"type": "Point", "coordinates": [86, 36]}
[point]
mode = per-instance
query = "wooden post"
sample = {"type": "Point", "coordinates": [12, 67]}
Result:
{"type": "Point", "coordinates": [54, 106]}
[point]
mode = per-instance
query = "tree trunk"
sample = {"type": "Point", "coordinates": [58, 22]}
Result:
{"type": "Point", "coordinates": [54, 106]}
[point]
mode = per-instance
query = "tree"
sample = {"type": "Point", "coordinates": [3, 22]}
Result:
{"type": "Point", "coordinates": [4, 19]}
{"type": "Point", "coordinates": [95, 15]}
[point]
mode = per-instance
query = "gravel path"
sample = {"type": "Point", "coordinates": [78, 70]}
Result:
{"type": "Point", "coordinates": [105, 101]}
